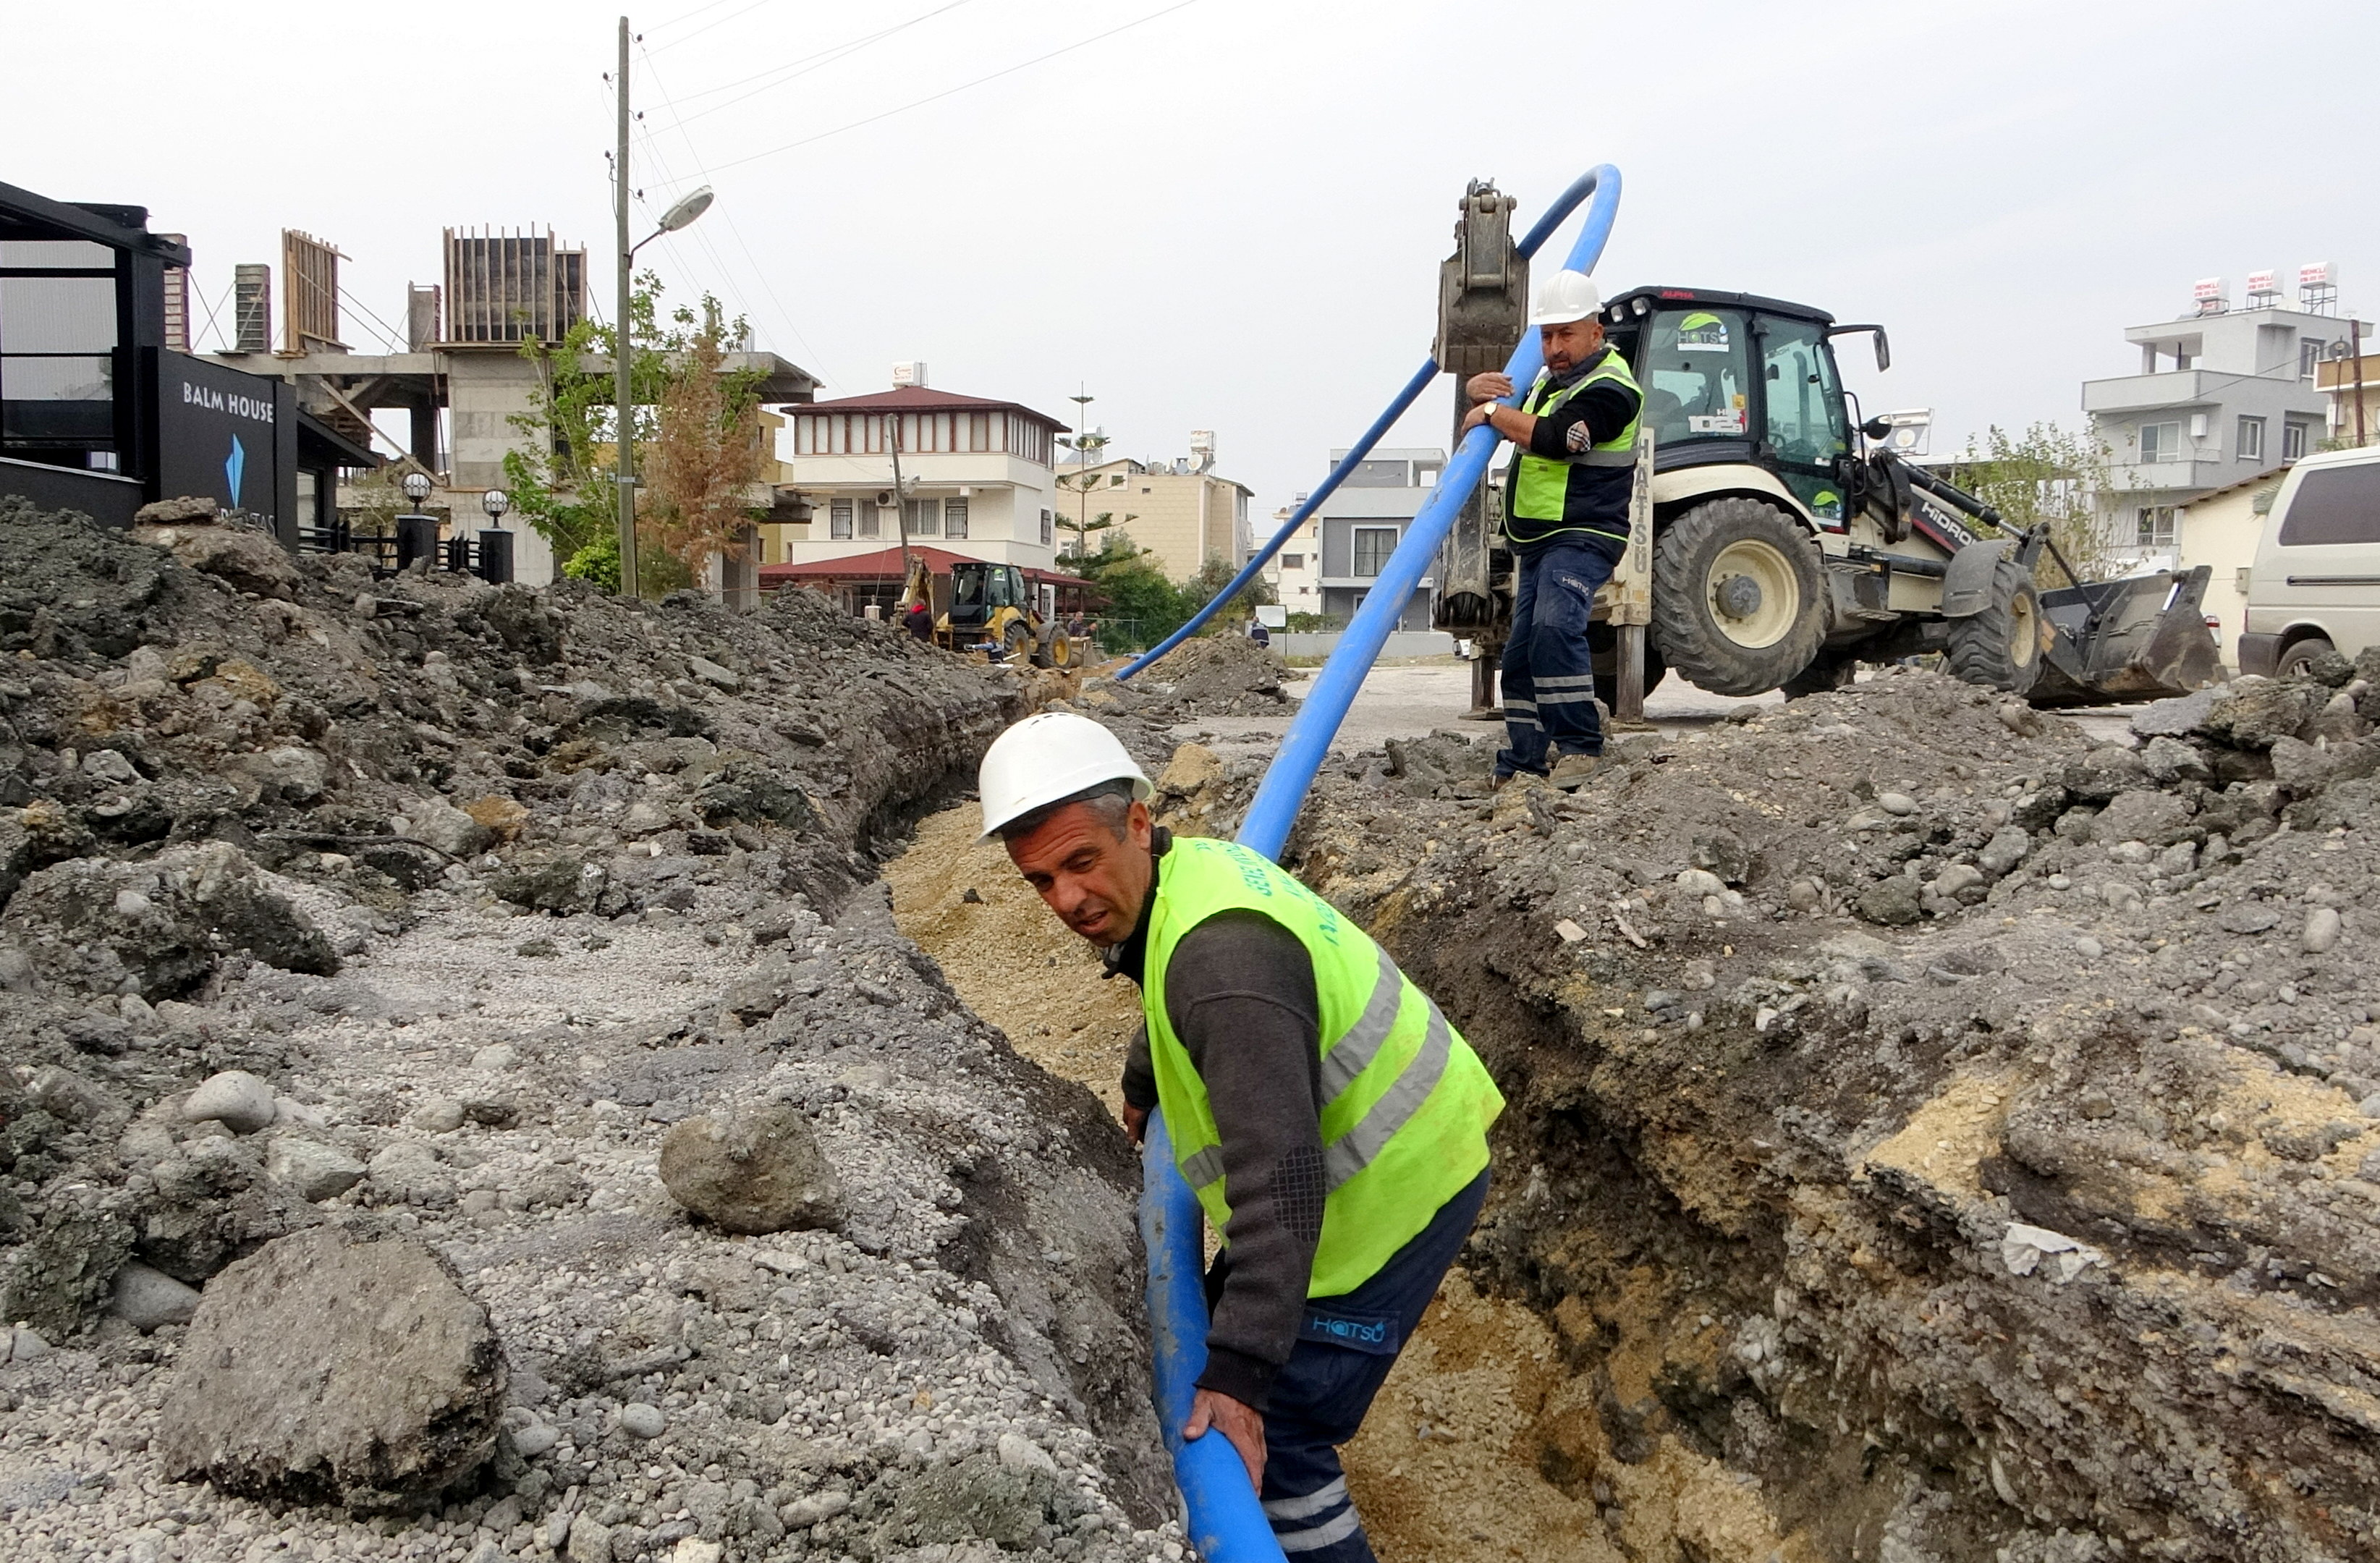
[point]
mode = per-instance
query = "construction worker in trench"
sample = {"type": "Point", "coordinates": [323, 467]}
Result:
{"type": "Point", "coordinates": [1566, 517]}
{"type": "Point", "coordinates": [1332, 1125]}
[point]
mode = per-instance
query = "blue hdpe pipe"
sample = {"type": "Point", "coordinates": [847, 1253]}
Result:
{"type": "Point", "coordinates": [1227, 1522]}
{"type": "Point", "coordinates": [1594, 182]}
{"type": "Point", "coordinates": [1283, 790]}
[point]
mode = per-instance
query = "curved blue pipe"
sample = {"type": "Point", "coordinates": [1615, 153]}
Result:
{"type": "Point", "coordinates": [1356, 453]}
{"type": "Point", "coordinates": [1227, 1522]}
{"type": "Point", "coordinates": [1286, 780]}
{"type": "Point", "coordinates": [1585, 184]}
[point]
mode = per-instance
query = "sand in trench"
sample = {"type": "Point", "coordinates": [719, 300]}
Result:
{"type": "Point", "coordinates": [1445, 1469]}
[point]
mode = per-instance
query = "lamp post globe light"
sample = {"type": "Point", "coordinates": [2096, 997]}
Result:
{"type": "Point", "coordinates": [495, 502]}
{"type": "Point", "coordinates": [417, 486]}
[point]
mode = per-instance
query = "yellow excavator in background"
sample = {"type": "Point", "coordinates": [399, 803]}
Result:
{"type": "Point", "coordinates": [989, 609]}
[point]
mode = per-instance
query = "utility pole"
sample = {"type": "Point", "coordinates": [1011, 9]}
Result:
{"type": "Point", "coordinates": [2355, 339]}
{"type": "Point", "coordinates": [900, 492]}
{"type": "Point", "coordinates": [622, 348]}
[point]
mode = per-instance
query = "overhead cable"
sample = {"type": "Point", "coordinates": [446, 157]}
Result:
{"type": "Point", "coordinates": [952, 91]}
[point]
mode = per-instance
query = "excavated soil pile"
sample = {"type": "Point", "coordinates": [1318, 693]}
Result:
{"type": "Point", "coordinates": [1933, 1134]}
{"type": "Point", "coordinates": [1209, 675]}
{"type": "Point", "coordinates": [369, 939]}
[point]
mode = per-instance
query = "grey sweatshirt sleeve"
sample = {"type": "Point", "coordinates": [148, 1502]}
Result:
{"type": "Point", "coordinates": [1239, 991]}
{"type": "Point", "coordinates": [1139, 1074]}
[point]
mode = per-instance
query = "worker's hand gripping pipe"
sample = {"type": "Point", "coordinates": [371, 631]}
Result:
{"type": "Point", "coordinates": [1597, 181]}
{"type": "Point", "coordinates": [1283, 790]}
{"type": "Point", "coordinates": [1227, 1523]}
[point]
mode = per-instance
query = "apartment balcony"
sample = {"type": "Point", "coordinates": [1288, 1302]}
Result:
{"type": "Point", "coordinates": [2149, 393]}
{"type": "Point", "coordinates": [2132, 476]}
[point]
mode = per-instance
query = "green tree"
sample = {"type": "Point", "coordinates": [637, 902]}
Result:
{"type": "Point", "coordinates": [1212, 578]}
{"type": "Point", "coordinates": [563, 480]}
{"type": "Point", "coordinates": [2048, 473]}
{"type": "Point", "coordinates": [1143, 607]}
{"type": "Point", "coordinates": [1082, 485]}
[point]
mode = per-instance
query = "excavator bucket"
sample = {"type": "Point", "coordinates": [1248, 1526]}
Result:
{"type": "Point", "coordinates": [2141, 639]}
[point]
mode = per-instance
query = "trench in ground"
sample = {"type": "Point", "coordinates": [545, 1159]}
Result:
{"type": "Point", "coordinates": [1447, 1469]}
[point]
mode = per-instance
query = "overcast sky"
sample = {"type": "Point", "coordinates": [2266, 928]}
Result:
{"type": "Point", "coordinates": [1230, 214]}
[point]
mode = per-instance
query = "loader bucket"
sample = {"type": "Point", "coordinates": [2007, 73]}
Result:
{"type": "Point", "coordinates": [2141, 639]}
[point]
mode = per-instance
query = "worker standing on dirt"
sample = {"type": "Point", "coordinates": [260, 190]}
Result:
{"type": "Point", "coordinates": [1566, 516]}
{"type": "Point", "coordinates": [1332, 1123]}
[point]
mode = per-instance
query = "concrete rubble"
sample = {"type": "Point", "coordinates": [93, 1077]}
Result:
{"type": "Point", "coordinates": [1934, 1133]}
{"type": "Point", "coordinates": [362, 944]}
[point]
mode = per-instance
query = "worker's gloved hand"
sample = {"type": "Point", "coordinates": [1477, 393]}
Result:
{"type": "Point", "coordinates": [1488, 387]}
{"type": "Point", "coordinates": [1235, 1420]}
{"type": "Point", "coordinates": [1136, 1121]}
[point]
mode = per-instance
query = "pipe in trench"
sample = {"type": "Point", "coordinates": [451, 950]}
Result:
{"type": "Point", "coordinates": [1227, 1522]}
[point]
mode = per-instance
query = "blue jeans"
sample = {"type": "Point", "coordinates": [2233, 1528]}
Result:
{"type": "Point", "coordinates": [1548, 671]}
{"type": "Point", "coordinates": [1320, 1397]}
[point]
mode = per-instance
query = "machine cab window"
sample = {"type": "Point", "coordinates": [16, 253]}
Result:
{"type": "Point", "coordinates": [1692, 371]}
{"type": "Point", "coordinates": [1803, 423]}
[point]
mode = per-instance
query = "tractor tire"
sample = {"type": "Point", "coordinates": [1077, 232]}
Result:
{"type": "Point", "coordinates": [1603, 651]}
{"type": "Point", "coordinates": [2296, 659]}
{"type": "Point", "coordinates": [2000, 647]}
{"type": "Point", "coordinates": [1017, 642]}
{"type": "Point", "coordinates": [1739, 606]}
{"type": "Point", "coordinates": [1053, 650]}
{"type": "Point", "coordinates": [1828, 670]}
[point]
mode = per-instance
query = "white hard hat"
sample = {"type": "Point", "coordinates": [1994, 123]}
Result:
{"type": "Point", "coordinates": [1050, 756]}
{"type": "Point", "coordinates": [1566, 296]}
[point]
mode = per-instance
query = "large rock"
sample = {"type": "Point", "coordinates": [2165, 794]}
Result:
{"type": "Point", "coordinates": [756, 1171]}
{"type": "Point", "coordinates": [241, 1102]}
{"type": "Point", "coordinates": [324, 1370]}
{"type": "Point", "coordinates": [146, 1299]}
{"type": "Point", "coordinates": [249, 560]}
{"type": "Point", "coordinates": [157, 929]}
{"type": "Point", "coordinates": [311, 1170]}
{"type": "Point", "coordinates": [452, 831]}
{"type": "Point", "coordinates": [2250, 712]}
{"type": "Point", "coordinates": [560, 882]}
{"type": "Point", "coordinates": [2158, 818]}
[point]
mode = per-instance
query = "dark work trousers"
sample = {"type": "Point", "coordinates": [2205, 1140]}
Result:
{"type": "Point", "coordinates": [1345, 1347]}
{"type": "Point", "coordinates": [1548, 671]}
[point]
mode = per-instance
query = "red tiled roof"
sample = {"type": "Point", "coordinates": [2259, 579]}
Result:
{"type": "Point", "coordinates": [885, 565]}
{"type": "Point", "coordinates": [912, 399]}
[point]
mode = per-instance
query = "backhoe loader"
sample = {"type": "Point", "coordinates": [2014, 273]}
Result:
{"type": "Point", "coordinates": [1787, 543]}
{"type": "Point", "coordinates": [988, 608]}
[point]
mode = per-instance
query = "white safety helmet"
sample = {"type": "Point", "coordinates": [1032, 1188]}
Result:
{"type": "Point", "coordinates": [1050, 756]}
{"type": "Point", "coordinates": [1566, 296]}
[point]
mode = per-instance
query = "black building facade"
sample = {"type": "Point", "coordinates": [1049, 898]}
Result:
{"type": "Point", "coordinates": [98, 415]}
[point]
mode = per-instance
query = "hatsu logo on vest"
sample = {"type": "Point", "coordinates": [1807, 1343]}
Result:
{"type": "Point", "coordinates": [234, 403]}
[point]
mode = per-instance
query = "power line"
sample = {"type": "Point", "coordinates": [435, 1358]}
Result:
{"type": "Point", "coordinates": [734, 229]}
{"type": "Point", "coordinates": [682, 20]}
{"type": "Point", "coordinates": [706, 27]}
{"type": "Point", "coordinates": [793, 70]}
{"type": "Point", "coordinates": [964, 86]}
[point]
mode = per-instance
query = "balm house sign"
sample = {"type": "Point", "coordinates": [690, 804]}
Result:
{"type": "Point", "coordinates": [221, 434]}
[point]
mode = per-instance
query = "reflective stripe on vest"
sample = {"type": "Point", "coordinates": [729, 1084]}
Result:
{"type": "Point", "coordinates": [1406, 1102]}
{"type": "Point", "coordinates": [1541, 485]}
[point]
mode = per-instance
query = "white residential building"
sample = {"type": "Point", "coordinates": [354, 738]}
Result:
{"type": "Point", "coordinates": [2222, 395]}
{"type": "Point", "coordinates": [1297, 568]}
{"type": "Point", "coordinates": [976, 477]}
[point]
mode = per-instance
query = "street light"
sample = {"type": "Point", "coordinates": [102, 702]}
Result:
{"type": "Point", "coordinates": [681, 213]}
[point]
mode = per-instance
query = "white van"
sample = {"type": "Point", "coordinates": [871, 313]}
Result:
{"type": "Point", "coordinates": [2315, 584]}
